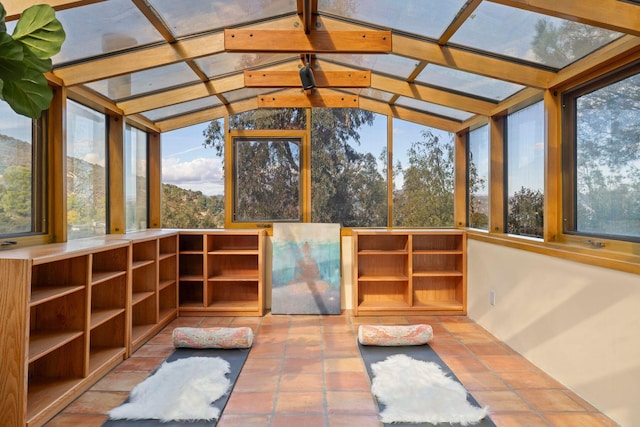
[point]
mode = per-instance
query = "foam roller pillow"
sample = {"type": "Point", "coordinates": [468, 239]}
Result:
{"type": "Point", "coordinates": [394, 335]}
{"type": "Point", "coordinates": [215, 337]}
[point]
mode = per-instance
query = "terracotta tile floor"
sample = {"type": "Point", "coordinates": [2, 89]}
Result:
{"type": "Point", "coordinates": [306, 371]}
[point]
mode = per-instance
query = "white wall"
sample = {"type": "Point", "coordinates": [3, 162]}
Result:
{"type": "Point", "coordinates": [577, 322]}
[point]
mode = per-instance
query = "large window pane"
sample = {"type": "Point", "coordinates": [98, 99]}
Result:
{"type": "Point", "coordinates": [349, 167]}
{"type": "Point", "coordinates": [86, 172]}
{"type": "Point", "coordinates": [18, 200]}
{"type": "Point", "coordinates": [423, 176]}
{"type": "Point", "coordinates": [193, 177]}
{"type": "Point", "coordinates": [266, 174]}
{"type": "Point", "coordinates": [525, 171]}
{"type": "Point", "coordinates": [607, 189]}
{"type": "Point", "coordinates": [478, 178]}
{"type": "Point", "coordinates": [135, 175]}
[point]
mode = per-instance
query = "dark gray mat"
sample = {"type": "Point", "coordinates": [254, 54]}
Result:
{"type": "Point", "coordinates": [236, 359]}
{"type": "Point", "coordinates": [372, 354]}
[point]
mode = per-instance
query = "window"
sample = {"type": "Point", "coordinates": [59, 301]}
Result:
{"type": "Point", "coordinates": [136, 178]}
{"type": "Point", "coordinates": [349, 167]}
{"type": "Point", "coordinates": [193, 176]}
{"type": "Point", "coordinates": [602, 157]}
{"type": "Point", "coordinates": [423, 176]}
{"type": "Point", "coordinates": [478, 178]}
{"type": "Point", "coordinates": [21, 175]}
{"type": "Point", "coordinates": [267, 178]}
{"type": "Point", "coordinates": [86, 172]}
{"type": "Point", "coordinates": [525, 171]}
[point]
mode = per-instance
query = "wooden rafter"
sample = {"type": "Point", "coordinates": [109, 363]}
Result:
{"type": "Point", "coordinates": [254, 40]}
{"type": "Point", "coordinates": [613, 15]}
{"type": "Point", "coordinates": [15, 7]}
{"type": "Point", "coordinates": [472, 62]}
{"type": "Point", "coordinates": [182, 94]}
{"type": "Point", "coordinates": [267, 78]}
{"type": "Point", "coordinates": [130, 62]}
{"type": "Point", "coordinates": [469, 8]}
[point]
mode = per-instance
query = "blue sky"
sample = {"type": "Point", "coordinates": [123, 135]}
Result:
{"type": "Point", "coordinates": [187, 164]}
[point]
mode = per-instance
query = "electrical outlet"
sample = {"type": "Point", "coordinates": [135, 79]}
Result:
{"type": "Point", "coordinates": [492, 297]}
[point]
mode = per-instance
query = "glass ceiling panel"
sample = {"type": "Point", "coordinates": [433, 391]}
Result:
{"type": "Point", "coordinates": [428, 107]}
{"type": "Point", "coordinates": [182, 108]}
{"type": "Point", "coordinates": [103, 27]}
{"type": "Point", "coordinates": [394, 65]}
{"type": "Point", "coordinates": [462, 81]}
{"type": "Point", "coordinates": [185, 17]}
{"type": "Point", "coordinates": [426, 18]}
{"type": "Point", "coordinates": [376, 94]}
{"type": "Point", "coordinates": [530, 36]}
{"type": "Point", "coordinates": [226, 62]}
{"type": "Point", "coordinates": [240, 94]}
{"type": "Point", "coordinates": [151, 80]}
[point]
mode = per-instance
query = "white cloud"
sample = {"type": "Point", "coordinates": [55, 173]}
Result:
{"type": "Point", "coordinates": [202, 174]}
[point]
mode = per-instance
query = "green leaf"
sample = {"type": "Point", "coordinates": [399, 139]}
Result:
{"type": "Point", "coordinates": [11, 57]}
{"type": "Point", "coordinates": [3, 15]}
{"type": "Point", "coordinates": [40, 31]}
{"type": "Point", "coordinates": [33, 62]}
{"type": "Point", "coordinates": [29, 96]}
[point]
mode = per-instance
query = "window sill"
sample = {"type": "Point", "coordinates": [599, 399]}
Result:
{"type": "Point", "coordinates": [616, 260]}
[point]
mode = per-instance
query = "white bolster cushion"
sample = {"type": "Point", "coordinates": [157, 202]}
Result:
{"type": "Point", "coordinates": [214, 337]}
{"type": "Point", "coordinates": [394, 335]}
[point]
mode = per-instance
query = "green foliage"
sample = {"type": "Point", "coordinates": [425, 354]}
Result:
{"type": "Point", "coordinates": [25, 56]}
{"type": "Point", "coordinates": [478, 206]}
{"type": "Point", "coordinates": [15, 200]}
{"type": "Point", "coordinates": [526, 213]}
{"type": "Point", "coordinates": [346, 186]}
{"type": "Point", "coordinates": [427, 195]}
{"type": "Point", "coordinates": [190, 209]}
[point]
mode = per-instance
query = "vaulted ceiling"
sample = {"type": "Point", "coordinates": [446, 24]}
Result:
{"type": "Point", "coordinates": [169, 64]}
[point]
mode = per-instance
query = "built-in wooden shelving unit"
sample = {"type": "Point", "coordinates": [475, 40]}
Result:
{"type": "Point", "coordinates": [410, 271]}
{"type": "Point", "coordinates": [221, 273]}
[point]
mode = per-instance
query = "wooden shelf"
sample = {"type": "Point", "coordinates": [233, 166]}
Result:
{"type": "Point", "coordinates": [137, 297]}
{"type": "Point", "coordinates": [413, 271]}
{"type": "Point", "coordinates": [138, 264]}
{"type": "Point", "coordinates": [104, 276]}
{"type": "Point", "coordinates": [100, 316]}
{"type": "Point", "coordinates": [50, 293]}
{"type": "Point", "coordinates": [43, 342]}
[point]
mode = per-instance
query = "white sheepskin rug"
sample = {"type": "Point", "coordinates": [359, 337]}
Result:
{"type": "Point", "coordinates": [414, 391]}
{"type": "Point", "coordinates": [183, 390]}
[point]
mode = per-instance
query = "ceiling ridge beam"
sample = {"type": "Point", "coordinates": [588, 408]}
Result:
{"type": "Point", "coordinates": [613, 15]}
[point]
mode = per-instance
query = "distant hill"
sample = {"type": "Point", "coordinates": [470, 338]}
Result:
{"type": "Point", "coordinates": [14, 152]}
{"type": "Point", "coordinates": [190, 209]}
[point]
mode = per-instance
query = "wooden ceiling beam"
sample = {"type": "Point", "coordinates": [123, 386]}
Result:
{"type": "Point", "coordinates": [460, 19]}
{"type": "Point", "coordinates": [613, 15]}
{"type": "Point", "coordinates": [472, 62]}
{"type": "Point", "coordinates": [14, 8]}
{"type": "Point", "coordinates": [318, 98]}
{"type": "Point", "coordinates": [409, 115]}
{"type": "Point", "coordinates": [429, 94]}
{"type": "Point", "coordinates": [295, 41]}
{"type": "Point", "coordinates": [268, 78]}
{"type": "Point", "coordinates": [139, 60]}
{"type": "Point", "coordinates": [182, 94]}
